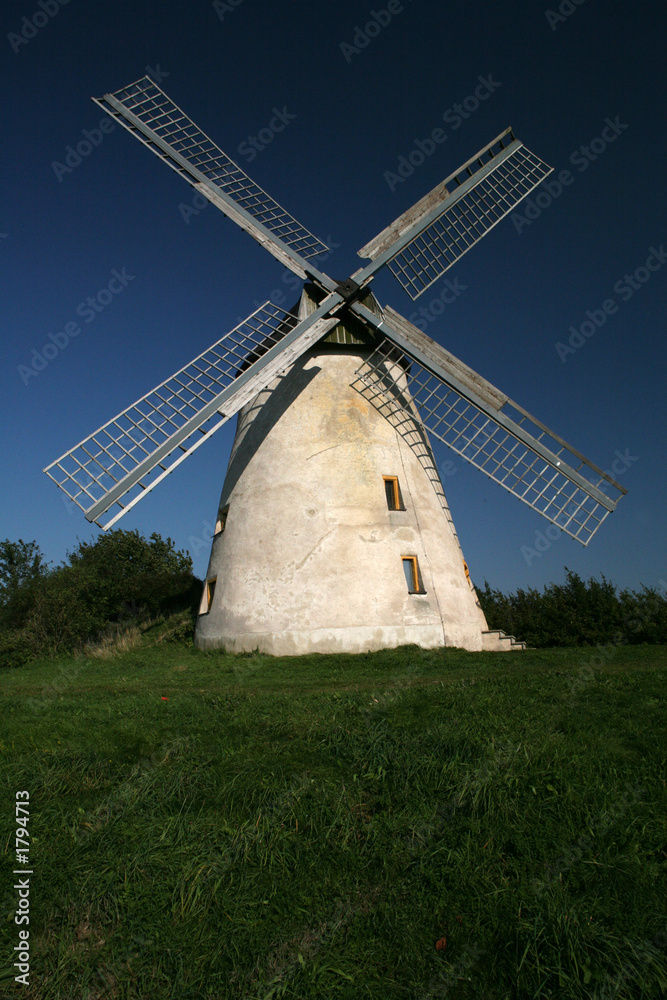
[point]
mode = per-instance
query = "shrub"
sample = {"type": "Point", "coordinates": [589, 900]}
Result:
{"type": "Point", "coordinates": [119, 579]}
{"type": "Point", "coordinates": [127, 577]}
{"type": "Point", "coordinates": [22, 569]}
{"type": "Point", "coordinates": [178, 628]}
{"type": "Point", "coordinates": [577, 613]}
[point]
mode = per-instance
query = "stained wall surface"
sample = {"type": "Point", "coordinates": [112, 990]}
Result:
{"type": "Point", "coordinates": [310, 558]}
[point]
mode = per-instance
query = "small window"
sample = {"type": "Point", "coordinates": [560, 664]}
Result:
{"type": "Point", "coordinates": [392, 493]}
{"type": "Point", "coordinates": [207, 596]}
{"type": "Point", "coordinates": [412, 575]}
{"type": "Point", "coordinates": [222, 520]}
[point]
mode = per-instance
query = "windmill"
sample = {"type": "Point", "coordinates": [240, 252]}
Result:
{"type": "Point", "coordinates": [333, 532]}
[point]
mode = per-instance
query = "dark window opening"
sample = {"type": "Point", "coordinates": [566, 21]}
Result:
{"type": "Point", "coordinates": [392, 493]}
{"type": "Point", "coordinates": [207, 596]}
{"type": "Point", "coordinates": [222, 520]}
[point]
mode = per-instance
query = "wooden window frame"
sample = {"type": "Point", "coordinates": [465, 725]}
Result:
{"type": "Point", "coordinates": [396, 490]}
{"type": "Point", "coordinates": [207, 596]}
{"type": "Point", "coordinates": [417, 586]}
{"type": "Point", "coordinates": [221, 522]}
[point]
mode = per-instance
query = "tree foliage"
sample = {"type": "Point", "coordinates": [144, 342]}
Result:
{"type": "Point", "coordinates": [578, 613]}
{"type": "Point", "coordinates": [121, 578]}
{"type": "Point", "coordinates": [114, 580]}
{"type": "Point", "coordinates": [22, 567]}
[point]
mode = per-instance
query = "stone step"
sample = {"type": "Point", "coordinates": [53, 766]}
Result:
{"type": "Point", "coordinates": [495, 640]}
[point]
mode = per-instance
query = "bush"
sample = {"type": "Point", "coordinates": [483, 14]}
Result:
{"type": "Point", "coordinates": [178, 628]}
{"type": "Point", "coordinates": [22, 569]}
{"type": "Point", "coordinates": [16, 648]}
{"type": "Point", "coordinates": [577, 613]}
{"type": "Point", "coordinates": [119, 579]}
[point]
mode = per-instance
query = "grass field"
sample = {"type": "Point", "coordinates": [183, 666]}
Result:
{"type": "Point", "coordinates": [404, 824]}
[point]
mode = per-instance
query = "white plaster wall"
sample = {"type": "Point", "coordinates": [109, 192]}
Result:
{"type": "Point", "coordinates": [310, 558]}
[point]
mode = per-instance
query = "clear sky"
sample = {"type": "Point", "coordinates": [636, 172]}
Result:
{"type": "Point", "coordinates": [322, 112]}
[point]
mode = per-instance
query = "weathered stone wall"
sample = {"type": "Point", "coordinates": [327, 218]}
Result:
{"type": "Point", "coordinates": [310, 557]}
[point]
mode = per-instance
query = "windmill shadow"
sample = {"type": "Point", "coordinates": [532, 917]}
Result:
{"type": "Point", "coordinates": [262, 414]}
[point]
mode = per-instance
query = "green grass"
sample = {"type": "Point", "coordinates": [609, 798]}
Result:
{"type": "Point", "coordinates": [312, 827]}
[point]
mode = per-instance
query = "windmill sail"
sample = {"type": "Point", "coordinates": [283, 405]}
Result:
{"type": "Point", "coordinates": [112, 469]}
{"type": "Point", "coordinates": [431, 236]}
{"type": "Point", "coordinates": [145, 110]}
{"type": "Point", "coordinates": [128, 456]}
{"type": "Point", "coordinates": [485, 427]}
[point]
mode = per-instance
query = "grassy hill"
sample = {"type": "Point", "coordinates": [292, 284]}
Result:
{"type": "Point", "coordinates": [404, 824]}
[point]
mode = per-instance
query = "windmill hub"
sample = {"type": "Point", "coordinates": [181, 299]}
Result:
{"type": "Point", "coordinates": [349, 290]}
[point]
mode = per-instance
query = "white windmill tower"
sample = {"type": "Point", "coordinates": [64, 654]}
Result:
{"type": "Point", "coordinates": [333, 532]}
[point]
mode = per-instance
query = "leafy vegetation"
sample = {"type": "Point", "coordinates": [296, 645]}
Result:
{"type": "Point", "coordinates": [578, 613]}
{"type": "Point", "coordinates": [397, 825]}
{"type": "Point", "coordinates": [22, 567]}
{"type": "Point", "coordinates": [123, 579]}
{"type": "Point", "coordinates": [103, 586]}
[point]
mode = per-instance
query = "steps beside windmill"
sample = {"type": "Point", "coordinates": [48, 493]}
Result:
{"type": "Point", "coordinates": [497, 641]}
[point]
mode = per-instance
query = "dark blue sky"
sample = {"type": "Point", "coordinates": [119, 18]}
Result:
{"type": "Point", "coordinates": [350, 113]}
